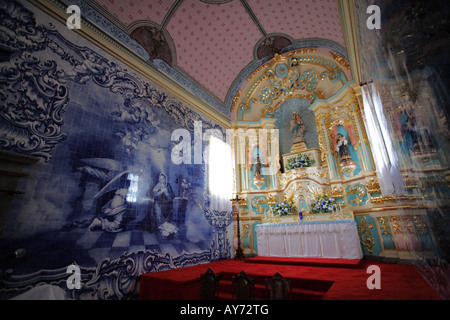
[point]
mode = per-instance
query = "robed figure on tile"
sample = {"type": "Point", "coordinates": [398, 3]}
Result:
{"type": "Point", "coordinates": [297, 128]}
{"type": "Point", "coordinates": [163, 196]}
{"type": "Point", "coordinates": [112, 212]}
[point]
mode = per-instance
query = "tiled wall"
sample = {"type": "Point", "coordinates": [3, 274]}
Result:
{"type": "Point", "coordinates": [102, 133]}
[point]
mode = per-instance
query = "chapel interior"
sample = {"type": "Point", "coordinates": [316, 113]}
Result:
{"type": "Point", "coordinates": [140, 137]}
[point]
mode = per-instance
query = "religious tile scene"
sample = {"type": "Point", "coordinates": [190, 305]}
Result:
{"type": "Point", "coordinates": [224, 149]}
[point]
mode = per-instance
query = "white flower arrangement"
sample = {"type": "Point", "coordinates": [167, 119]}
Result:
{"type": "Point", "coordinates": [323, 204]}
{"type": "Point", "coordinates": [299, 161]}
{"type": "Point", "coordinates": [283, 208]}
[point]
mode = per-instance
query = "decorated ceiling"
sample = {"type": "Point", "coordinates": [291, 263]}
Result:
{"type": "Point", "coordinates": [215, 45]}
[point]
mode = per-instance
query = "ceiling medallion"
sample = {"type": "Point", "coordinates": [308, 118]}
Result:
{"type": "Point", "coordinates": [272, 45]}
{"type": "Point", "coordinates": [154, 42]}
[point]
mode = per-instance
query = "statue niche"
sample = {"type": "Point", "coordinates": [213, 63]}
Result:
{"type": "Point", "coordinates": [342, 147]}
{"type": "Point", "coordinates": [257, 167]}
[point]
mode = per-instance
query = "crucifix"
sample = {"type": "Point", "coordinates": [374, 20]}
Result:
{"type": "Point", "coordinates": [239, 253]}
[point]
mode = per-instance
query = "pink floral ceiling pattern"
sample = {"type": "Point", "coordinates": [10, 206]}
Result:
{"type": "Point", "coordinates": [299, 18]}
{"type": "Point", "coordinates": [128, 11]}
{"type": "Point", "coordinates": [215, 42]}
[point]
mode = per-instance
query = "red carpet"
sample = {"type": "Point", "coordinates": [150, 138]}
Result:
{"type": "Point", "coordinates": [398, 281]}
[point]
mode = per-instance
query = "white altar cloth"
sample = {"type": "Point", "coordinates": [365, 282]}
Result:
{"type": "Point", "coordinates": [319, 239]}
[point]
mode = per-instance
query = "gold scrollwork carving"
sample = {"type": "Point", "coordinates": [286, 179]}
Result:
{"type": "Point", "coordinates": [337, 192]}
{"type": "Point", "coordinates": [373, 186]}
{"type": "Point", "coordinates": [246, 229]}
{"type": "Point", "coordinates": [359, 191]}
{"type": "Point", "coordinates": [305, 80]}
{"type": "Point", "coordinates": [321, 125]}
{"type": "Point", "coordinates": [384, 226]}
{"type": "Point", "coordinates": [340, 59]}
{"type": "Point", "coordinates": [257, 203]}
{"type": "Point", "coordinates": [321, 174]}
{"type": "Point", "coordinates": [293, 80]}
{"type": "Point", "coordinates": [365, 235]}
{"type": "Point", "coordinates": [396, 225]}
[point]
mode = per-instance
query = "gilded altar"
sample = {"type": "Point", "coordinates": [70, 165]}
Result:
{"type": "Point", "coordinates": [303, 105]}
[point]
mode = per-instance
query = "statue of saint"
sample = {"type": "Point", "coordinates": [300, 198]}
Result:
{"type": "Point", "coordinates": [297, 128]}
{"type": "Point", "coordinates": [342, 148]}
{"type": "Point", "coordinates": [258, 166]}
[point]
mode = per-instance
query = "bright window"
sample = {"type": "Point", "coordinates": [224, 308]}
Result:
{"type": "Point", "coordinates": [220, 174]}
{"type": "Point", "coordinates": [133, 188]}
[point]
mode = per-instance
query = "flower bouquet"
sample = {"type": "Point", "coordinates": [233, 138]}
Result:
{"type": "Point", "coordinates": [299, 161]}
{"type": "Point", "coordinates": [323, 204]}
{"type": "Point", "coordinates": [283, 208]}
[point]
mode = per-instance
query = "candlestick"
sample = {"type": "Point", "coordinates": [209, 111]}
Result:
{"type": "Point", "coordinates": [239, 253]}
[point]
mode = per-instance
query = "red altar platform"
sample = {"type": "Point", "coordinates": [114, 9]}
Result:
{"type": "Point", "coordinates": [312, 279]}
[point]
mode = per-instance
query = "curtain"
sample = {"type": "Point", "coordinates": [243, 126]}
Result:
{"type": "Point", "coordinates": [220, 175]}
{"type": "Point", "coordinates": [384, 154]}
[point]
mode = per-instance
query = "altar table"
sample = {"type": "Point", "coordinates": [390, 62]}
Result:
{"type": "Point", "coordinates": [319, 239]}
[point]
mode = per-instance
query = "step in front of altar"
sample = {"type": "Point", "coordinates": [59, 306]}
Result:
{"type": "Point", "coordinates": [310, 262]}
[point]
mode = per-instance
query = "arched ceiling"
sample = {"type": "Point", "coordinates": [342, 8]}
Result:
{"type": "Point", "coordinates": [212, 42]}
